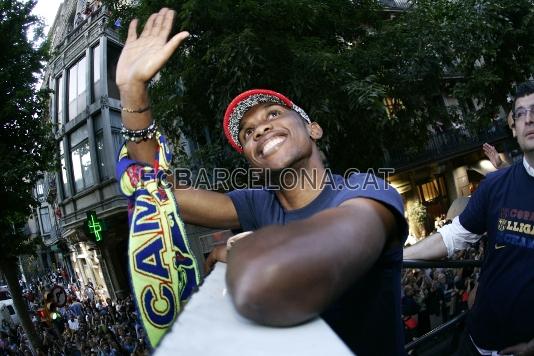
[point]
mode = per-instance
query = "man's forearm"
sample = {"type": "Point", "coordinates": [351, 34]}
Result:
{"type": "Point", "coordinates": [284, 275]}
{"type": "Point", "coordinates": [134, 96]}
{"type": "Point", "coordinates": [431, 248]}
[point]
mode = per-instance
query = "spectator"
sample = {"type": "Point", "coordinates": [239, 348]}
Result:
{"type": "Point", "coordinates": [90, 292]}
{"type": "Point", "coordinates": [410, 308]}
{"type": "Point", "coordinates": [75, 308]}
{"type": "Point", "coordinates": [78, 20]}
{"type": "Point", "coordinates": [95, 5]}
{"type": "Point", "coordinates": [501, 208]}
{"type": "Point", "coordinates": [87, 12]}
{"type": "Point", "coordinates": [74, 325]}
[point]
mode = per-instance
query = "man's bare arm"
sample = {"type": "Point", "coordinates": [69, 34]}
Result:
{"type": "Point", "coordinates": [285, 275]}
{"type": "Point", "coordinates": [430, 248]}
{"type": "Point", "coordinates": [206, 208]}
{"type": "Point", "coordinates": [141, 58]}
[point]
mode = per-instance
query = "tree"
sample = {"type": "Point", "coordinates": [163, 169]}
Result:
{"type": "Point", "coordinates": [473, 50]}
{"type": "Point", "coordinates": [340, 61]}
{"type": "Point", "coordinates": [26, 142]}
{"type": "Point", "coordinates": [295, 47]}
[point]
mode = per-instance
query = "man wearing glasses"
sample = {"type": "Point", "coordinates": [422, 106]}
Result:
{"type": "Point", "coordinates": [502, 317]}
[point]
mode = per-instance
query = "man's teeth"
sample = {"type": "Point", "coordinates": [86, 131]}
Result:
{"type": "Point", "coordinates": [269, 146]}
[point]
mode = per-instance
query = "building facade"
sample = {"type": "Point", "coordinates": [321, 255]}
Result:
{"type": "Point", "coordinates": [44, 223]}
{"type": "Point", "coordinates": [85, 111]}
{"type": "Point", "coordinates": [86, 114]}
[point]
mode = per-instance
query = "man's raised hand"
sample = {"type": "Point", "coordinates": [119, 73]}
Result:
{"type": "Point", "coordinates": [492, 155]}
{"type": "Point", "coordinates": [144, 55]}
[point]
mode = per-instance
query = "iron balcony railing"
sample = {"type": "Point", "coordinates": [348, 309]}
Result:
{"type": "Point", "coordinates": [80, 28]}
{"type": "Point", "coordinates": [396, 4]}
{"type": "Point", "coordinates": [446, 144]}
{"type": "Point", "coordinates": [441, 263]}
{"type": "Point", "coordinates": [437, 332]}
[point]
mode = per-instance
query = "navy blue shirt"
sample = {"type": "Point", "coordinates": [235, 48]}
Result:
{"type": "Point", "coordinates": [367, 315]}
{"type": "Point", "coordinates": [503, 206]}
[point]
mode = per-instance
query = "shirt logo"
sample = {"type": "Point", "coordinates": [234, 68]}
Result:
{"type": "Point", "coordinates": [502, 224]}
{"type": "Point", "coordinates": [515, 227]}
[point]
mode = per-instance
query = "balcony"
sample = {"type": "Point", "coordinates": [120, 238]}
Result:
{"type": "Point", "coordinates": [53, 237]}
{"type": "Point", "coordinates": [82, 26]}
{"type": "Point", "coordinates": [447, 144]}
{"type": "Point", "coordinates": [76, 36]}
{"type": "Point", "coordinates": [49, 240]}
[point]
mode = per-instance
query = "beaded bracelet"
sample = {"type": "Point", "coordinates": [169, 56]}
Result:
{"type": "Point", "coordinates": [139, 135]}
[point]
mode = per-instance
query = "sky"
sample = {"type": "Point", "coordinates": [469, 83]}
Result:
{"type": "Point", "coordinates": [47, 9]}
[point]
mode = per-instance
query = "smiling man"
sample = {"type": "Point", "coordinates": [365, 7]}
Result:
{"type": "Point", "coordinates": [329, 247]}
{"type": "Point", "coordinates": [502, 317]}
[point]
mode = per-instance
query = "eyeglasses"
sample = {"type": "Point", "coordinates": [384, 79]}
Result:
{"type": "Point", "coordinates": [522, 113]}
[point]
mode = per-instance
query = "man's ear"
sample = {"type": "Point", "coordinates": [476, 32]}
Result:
{"type": "Point", "coordinates": [315, 131]}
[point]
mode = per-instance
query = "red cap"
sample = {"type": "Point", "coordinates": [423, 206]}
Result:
{"type": "Point", "coordinates": [244, 102]}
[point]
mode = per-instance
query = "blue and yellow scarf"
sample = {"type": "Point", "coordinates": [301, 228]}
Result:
{"type": "Point", "coordinates": [163, 270]}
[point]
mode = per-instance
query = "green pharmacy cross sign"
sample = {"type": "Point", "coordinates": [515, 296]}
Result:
{"type": "Point", "coordinates": [94, 226]}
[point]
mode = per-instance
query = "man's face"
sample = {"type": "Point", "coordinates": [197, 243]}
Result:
{"type": "Point", "coordinates": [274, 136]}
{"type": "Point", "coordinates": [524, 128]}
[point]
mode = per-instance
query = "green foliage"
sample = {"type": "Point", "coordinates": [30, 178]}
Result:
{"type": "Point", "coordinates": [472, 49]}
{"type": "Point", "coordinates": [417, 213]}
{"type": "Point", "coordinates": [26, 144]}
{"type": "Point", "coordinates": [339, 60]}
{"type": "Point", "coordinates": [295, 47]}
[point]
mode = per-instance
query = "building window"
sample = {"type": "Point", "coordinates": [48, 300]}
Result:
{"type": "Point", "coordinates": [429, 190]}
{"type": "Point", "coordinates": [45, 220]}
{"type": "Point", "coordinates": [81, 160]}
{"type": "Point", "coordinates": [60, 97]}
{"type": "Point", "coordinates": [118, 140]}
{"type": "Point", "coordinates": [102, 169]}
{"type": "Point", "coordinates": [97, 92]}
{"type": "Point", "coordinates": [113, 57]}
{"type": "Point", "coordinates": [64, 175]}
{"type": "Point", "coordinates": [40, 189]}
{"type": "Point", "coordinates": [432, 190]}
{"type": "Point", "coordinates": [52, 99]}
{"type": "Point", "coordinates": [81, 166]}
{"type": "Point", "coordinates": [77, 88]}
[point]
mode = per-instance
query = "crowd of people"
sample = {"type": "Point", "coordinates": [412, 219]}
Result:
{"type": "Point", "coordinates": [433, 296]}
{"type": "Point", "coordinates": [88, 324]}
